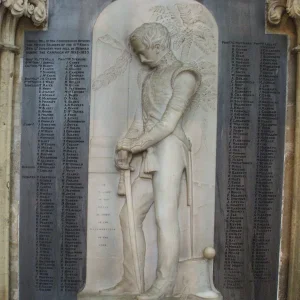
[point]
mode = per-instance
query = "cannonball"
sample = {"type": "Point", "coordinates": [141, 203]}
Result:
{"type": "Point", "coordinates": [209, 253]}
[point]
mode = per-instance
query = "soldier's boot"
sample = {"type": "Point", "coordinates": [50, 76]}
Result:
{"type": "Point", "coordinates": [159, 290]}
{"type": "Point", "coordinates": [124, 287]}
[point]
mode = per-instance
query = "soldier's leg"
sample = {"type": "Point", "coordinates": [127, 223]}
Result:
{"type": "Point", "coordinates": [142, 194]}
{"type": "Point", "coordinates": [166, 185]}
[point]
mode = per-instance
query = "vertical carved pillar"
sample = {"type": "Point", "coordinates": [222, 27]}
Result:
{"type": "Point", "coordinates": [6, 91]}
{"type": "Point", "coordinates": [293, 8]}
{"type": "Point", "coordinates": [294, 265]}
{"type": "Point", "coordinates": [10, 13]}
{"type": "Point", "coordinates": [276, 8]}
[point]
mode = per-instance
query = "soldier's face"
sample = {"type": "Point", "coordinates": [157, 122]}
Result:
{"type": "Point", "coordinates": [147, 56]}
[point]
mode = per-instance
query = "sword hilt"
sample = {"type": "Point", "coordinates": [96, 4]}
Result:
{"type": "Point", "coordinates": [124, 155]}
{"type": "Point", "coordinates": [121, 186]}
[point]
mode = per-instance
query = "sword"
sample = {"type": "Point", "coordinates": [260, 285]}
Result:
{"type": "Point", "coordinates": [190, 202]}
{"type": "Point", "coordinates": [121, 187]}
{"type": "Point", "coordinates": [132, 228]}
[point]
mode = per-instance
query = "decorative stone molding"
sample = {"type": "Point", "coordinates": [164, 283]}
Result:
{"type": "Point", "coordinates": [293, 8]}
{"type": "Point", "coordinates": [11, 11]}
{"type": "Point", "coordinates": [34, 9]}
{"type": "Point", "coordinates": [276, 9]}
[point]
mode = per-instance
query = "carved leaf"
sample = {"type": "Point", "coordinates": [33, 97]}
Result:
{"type": "Point", "coordinates": [206, 68]}
{"type": "Point", "coordinates": [178, 41]}
{"type": "Point", "coordinates": [186, 47]}
{"type": "Point", "coordinates": [107, 39]}
{"type": "Point", "coordinates": [190, 13]}
{"type": "Point", "coordinates": [204, 35]}
{"type": "Point", "coordinates": [163, 15]}
{"type": "Point", "coordinates": [113, 72]}
{"type": "Point", "coordinates": [293, 8]}
{"type": "Point", "coordinates": [206, 45]}
{"type": "Point", "coordinates": [203, 31]}
{"type": "Point", "coordinates": [207, 94]}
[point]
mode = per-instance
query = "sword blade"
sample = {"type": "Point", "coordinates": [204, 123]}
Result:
{"type": "Point", "coordinates": [132, 230]}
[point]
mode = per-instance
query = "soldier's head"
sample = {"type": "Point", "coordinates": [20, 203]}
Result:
{"type": "Point", "coordinates": [150, 42]}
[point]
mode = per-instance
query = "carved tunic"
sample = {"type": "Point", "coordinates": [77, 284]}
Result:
{"type": "Point", "coordinates": [159, 102]}
{"type": "Point", "coordinates": [157, 92]}
{"type": "Point", "coordinates": [167, 92]}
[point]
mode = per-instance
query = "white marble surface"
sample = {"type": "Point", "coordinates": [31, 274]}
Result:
{"type": "Point", "coordinates": [115, 96]}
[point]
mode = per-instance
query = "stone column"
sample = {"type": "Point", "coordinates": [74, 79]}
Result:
{"type": "Point", "coordinates": [10, 13]}
{"type": "Point", "coordinates": [276, 10]}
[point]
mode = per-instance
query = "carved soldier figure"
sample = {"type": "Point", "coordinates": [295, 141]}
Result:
{"type": "Point", "coordinates": [158, 134]}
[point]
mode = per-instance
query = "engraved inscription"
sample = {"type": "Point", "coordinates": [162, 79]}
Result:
{"type": "Point", "coordinates": [72, 185]}
{"type": "Point", "coordinates": [58, 76]}
{"type": "Point", "coordinates": [267, 140]}
{"type": "Point", "coordinates": [252, 187]}
{"type": "Point", "coordinates": [45, 168]}
{"type": "Point", "coordinates": [241, 100]}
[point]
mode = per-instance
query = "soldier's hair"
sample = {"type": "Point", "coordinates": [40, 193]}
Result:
{"type": "Point", "coordinates": [152, 34]}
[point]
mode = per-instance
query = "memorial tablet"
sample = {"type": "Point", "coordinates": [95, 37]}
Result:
{"type": "Point", "coordinates": [152, 151]}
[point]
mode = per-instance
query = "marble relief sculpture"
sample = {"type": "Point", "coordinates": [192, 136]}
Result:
{"type": "Point", "coordinates": [165, 161]}
{"type": "Point", "coordinates": [156, 132]}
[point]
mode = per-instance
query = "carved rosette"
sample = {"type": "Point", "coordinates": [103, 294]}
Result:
{"type": "Point", "coordinates": [34, 9]}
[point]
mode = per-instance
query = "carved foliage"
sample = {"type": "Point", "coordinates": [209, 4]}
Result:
{"type": "Point", "coordinates": [120, 66]}
{"type": "Point", "coordinates": [276, 9]}
{"type": "Point", "coordinates": [190, 27]}
{"type": "Point", "coordinates": [293, 8]}
{"type": "Point", "coordinates": [34, 9]}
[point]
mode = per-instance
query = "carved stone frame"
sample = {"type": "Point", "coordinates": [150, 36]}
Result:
{"type": "Point", "coordinates": [12, 28]}
{"type": "Point", "coordinates": [279, 15]}
{"type": "Point", "coordinates": [17, 16]}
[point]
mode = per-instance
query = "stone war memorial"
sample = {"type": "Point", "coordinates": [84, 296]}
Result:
{"type": "Point", "coordinates": [149, 150]}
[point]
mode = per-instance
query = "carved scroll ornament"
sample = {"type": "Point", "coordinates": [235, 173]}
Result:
{"type": "Point", "coordinates": [293, 8]}
{"type": "Point", "coordinates": [276, 9]}
{"type": "Point", "coordinates": [34, 9]}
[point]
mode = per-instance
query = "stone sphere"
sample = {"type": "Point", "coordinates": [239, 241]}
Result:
{"type": "Point", "coordinates": [209, 253]}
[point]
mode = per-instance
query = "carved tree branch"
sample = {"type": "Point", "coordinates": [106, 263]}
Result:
{"type": "Point", "coordinates": [34, 9]}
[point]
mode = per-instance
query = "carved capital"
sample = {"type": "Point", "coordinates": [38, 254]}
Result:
{"type": "Point", "coordinates": [276, 9]}
{"type": "Point", "coordinates": [34, 9]}
{"type": "Point", "coordinates": [293, 8]}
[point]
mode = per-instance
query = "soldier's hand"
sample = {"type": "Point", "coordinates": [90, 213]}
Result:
{"type": "Point", "coordinates": [125, 144]}
{"type": "Point", "coordinates": [123, 160]}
